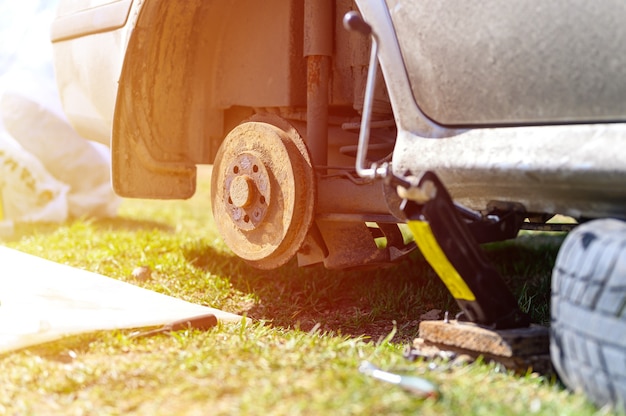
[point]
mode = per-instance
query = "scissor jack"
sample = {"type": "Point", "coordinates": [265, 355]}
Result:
{"type": "Point", "coordinates": [448, 240]}
{"type": "Point", "coordinates": [448, 243]}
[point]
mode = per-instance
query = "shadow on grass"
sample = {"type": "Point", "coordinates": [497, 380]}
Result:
{"type": "Point", "coordinates": [356, 302]}
{"type": "Point", "coordinates": [22, 230]}
{"type": "Point", "coordinates": [367, 302]}
{"type": "Point", "coordinates": [526, 265]}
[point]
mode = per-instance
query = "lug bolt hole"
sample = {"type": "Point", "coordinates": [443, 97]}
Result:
{"type": "Point", "coordinates": [262, 199]}
{"type": "Point", "coordinates": [246, 218]}
{"type": "Point", "coordinates": [236, 169]}
{"type": "Point", "coordinates": [255, 168]}
{"type": "Point", "coordinates": [230, 201]}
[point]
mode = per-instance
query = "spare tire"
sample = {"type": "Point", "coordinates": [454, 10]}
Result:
{"type": "Point", "coordinates": [588, 312]}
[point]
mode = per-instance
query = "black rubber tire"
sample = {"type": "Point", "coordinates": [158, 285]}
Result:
{"type": "Point", "coordinates": [588, 312]}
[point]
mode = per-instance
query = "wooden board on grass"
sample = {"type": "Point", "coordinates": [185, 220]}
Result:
{"type": "Point", "coordinates": [519, 349]}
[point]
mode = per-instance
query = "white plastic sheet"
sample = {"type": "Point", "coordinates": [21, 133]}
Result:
{"type": "Point", "coordinates": [42, 301]}
{"type": "Point", "coordinates": [29, 192]}
{"type": "Point", "coordinates": [47, 173]}
{"type": "Point", "coordinates": [33, 126]}
{"type": "Point", "coordinates": [82, 165]}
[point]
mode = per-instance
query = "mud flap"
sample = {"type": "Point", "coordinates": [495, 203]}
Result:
{"type": "Point", "coordinates": [157, 114]}
{"type": "Point", "coordinates": [137, 174]}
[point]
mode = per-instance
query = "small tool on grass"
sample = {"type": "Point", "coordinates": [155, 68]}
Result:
{"type": "Point", "coordinates": [416, 385]}
{"type": "Point", "coordinates": [200, 322]}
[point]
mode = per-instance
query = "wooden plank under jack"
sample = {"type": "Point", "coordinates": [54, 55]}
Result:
{"type": "Point", "coordinates": [518, 349]}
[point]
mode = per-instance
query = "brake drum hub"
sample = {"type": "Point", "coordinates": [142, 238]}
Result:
{"type": "Point", "coordinates": [248, 191]}
{"type": "Point", "coordinates": [263, 191]}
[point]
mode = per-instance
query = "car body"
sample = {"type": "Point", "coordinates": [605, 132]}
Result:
{"type": "Point", "coordinates": [518, 108]}
{"type": "Point", "coordinates": [538, 121]}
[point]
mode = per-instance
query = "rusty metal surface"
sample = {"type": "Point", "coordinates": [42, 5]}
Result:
{"type": "Point", "coordinates": [350, 245]}
{"type": "Point", "coordinates": [313, 250]}
{"type": "Point", "coordinates": [318, 27]}
{"type": "Point", "coordinates": [277, 197]}
{"type": "Point", "coordinates": [318, 76]}
{"type": "Point", "coordinates": [341, 195]}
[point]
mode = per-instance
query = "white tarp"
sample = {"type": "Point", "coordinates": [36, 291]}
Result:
{"type": "Point", "coordinates": [75, 171]}
{"type": "Point", "coordinates": [42, 301]}
{"type": "Point", "coordinates": [47, 173]}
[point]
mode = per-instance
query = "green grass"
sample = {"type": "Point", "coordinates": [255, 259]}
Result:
{"type": "Point", "coordinates": [298, 350]}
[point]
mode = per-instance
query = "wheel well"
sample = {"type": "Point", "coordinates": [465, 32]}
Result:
{"type": "Point", "coordinates": [186, 65]}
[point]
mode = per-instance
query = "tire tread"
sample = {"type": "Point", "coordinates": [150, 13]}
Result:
{"type": "Point", "coordinates": [588, 346]}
